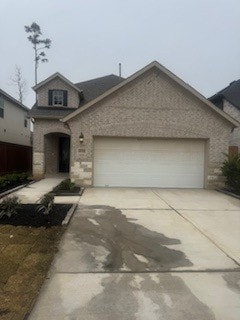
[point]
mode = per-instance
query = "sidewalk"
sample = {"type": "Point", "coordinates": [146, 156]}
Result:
{"type": "Point", "coordinates": [35, 191]}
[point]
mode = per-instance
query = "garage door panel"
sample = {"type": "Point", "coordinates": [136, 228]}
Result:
{"type": "Point", "coordinates": [148, 163]}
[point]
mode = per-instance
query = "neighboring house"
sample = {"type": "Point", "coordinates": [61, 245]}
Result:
{"type": "Point", "coordinates": [228, 100]}
{"type": "Point", "coordinates": [15, 135]}
{"type": "Point", "coordinates": [149, 130]}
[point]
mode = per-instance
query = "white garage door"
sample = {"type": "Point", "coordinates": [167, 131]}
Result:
{"type": "Point", "coordinates": [169, 163]}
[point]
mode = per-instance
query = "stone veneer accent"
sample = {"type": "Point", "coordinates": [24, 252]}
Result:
{"type": "Point", "coordinates": [151, 106]}
{"type": "Point", "coordinates": [38, 164]}
{"type": "Point", "coordinates": [81, 173]}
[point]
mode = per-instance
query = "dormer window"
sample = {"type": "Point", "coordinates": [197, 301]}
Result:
{"type": "Point", "coordinates": [57, 98]}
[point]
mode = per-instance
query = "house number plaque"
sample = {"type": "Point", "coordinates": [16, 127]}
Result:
{"type": "Point", "coordinates": [81, 150]}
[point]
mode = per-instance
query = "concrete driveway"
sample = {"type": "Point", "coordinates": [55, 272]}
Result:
{"type": "Point", "coordinates": [147, 254]}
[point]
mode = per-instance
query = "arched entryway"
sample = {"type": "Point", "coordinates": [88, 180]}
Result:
{"type": "Point", "coordinates": [57, 153]}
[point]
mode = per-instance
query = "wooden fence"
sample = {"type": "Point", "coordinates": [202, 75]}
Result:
{"type": "Point", "coordinates": [15, 158]}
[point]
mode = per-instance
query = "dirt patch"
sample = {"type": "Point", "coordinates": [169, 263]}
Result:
{"type": "Point", "coordinates": [27, 215]}
{"type": "Point", "coordinates": [25, 257]}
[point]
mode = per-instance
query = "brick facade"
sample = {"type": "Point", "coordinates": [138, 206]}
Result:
{"type": "Point", "coordinates": [151, 106]}
{"type": "Point", "coordinates": [45, 156]}
{"type": "Point", "coordinates": [58, 84]}
{"type": "Point", "coordinates": [234, 113]}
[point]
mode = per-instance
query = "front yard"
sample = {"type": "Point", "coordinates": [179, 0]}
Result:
{"type": "Point", "coordinates": [25, 257]}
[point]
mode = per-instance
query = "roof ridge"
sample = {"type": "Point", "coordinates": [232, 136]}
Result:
{"type": "Point", "coordinates": [53, 76]}
{"type": "Point", "coordinates": [111, 74]}
{"type": "Point", "coordinates": [14, 100]}
{"type": "Point", "coordinates": [167, 72]}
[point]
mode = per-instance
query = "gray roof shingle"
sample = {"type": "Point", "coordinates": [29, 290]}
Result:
{"type": "Point", "coordinates": [231, 93]}
{"type": "Point", "coordinates": [50, 112]}
{"type": "Point", "coordinates": [95, 87]}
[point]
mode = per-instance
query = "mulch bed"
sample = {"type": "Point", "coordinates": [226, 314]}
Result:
{"type": "Point", "coordinates": [232, 191]}
{"type": "Point", "coordinates": [27, 215]}
{"type": "Point", "coordinates": [14, 185]}
{"type": "Point", "coordinates": [75, 191]}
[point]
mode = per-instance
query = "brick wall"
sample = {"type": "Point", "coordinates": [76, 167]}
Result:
{"type": "Point", "coordinates": [234, 113]}
{"type": "Point", "coordinates": [44, 151]}
{"type": "Point", "coordinates": [152, 106]}
{"type": "Point", "coordinates": [58, 84]}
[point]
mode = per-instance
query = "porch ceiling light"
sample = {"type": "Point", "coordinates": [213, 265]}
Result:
{"type": "Point", "coordinates": [81, 137]}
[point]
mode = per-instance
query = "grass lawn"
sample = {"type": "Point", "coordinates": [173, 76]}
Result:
{"type": "Point", "coordinates": [25, 257]}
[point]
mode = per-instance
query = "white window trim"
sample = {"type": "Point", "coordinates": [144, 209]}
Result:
{"type": "Point", "coordinates": [57, 92]}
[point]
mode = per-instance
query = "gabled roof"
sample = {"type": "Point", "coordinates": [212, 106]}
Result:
{"type": "Point", "coordinates": [231, 93]}
{"type": "Point", "coordinates": [90, 90]}
{"type": "Point", "coordinates": [160, 67]}
{"type": "Point", "coordinates": [53, 76]}
{"type": "Point", "coordinates": [13, 100]}
{"type": "Point", "coordinates": [95, 87]}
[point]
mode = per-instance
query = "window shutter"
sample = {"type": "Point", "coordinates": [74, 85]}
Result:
{"type": "Point", "coordinates": [65, 98]}
{"type": "Point", "coordinates": [50, 102]}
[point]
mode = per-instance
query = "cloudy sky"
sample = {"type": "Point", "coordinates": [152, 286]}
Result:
{"type": "Point", "coordinates": [199, 40]}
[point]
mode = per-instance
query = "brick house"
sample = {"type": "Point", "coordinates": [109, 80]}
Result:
{"type": "Point", "coordinates": [228, 100]}
{"type": "Point", "coordinates": [149, 130]}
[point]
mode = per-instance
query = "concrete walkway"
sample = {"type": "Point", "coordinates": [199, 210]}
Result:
{"type": "Point", "coordinates": [147, 254]}
{"type": "Point", "coordinates": [35, 191]}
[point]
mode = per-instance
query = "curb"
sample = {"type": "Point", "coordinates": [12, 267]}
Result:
{"type": "Point", "coordinates": [81, 191]}
{"type": "Point", "coordinates": [229, 193]}
{"type": "Point", "coordinates": [72, 210]}
{"type": "Point", "coordinates": [69, 214]}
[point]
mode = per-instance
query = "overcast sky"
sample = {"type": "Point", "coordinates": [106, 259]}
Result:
{"type": "Point", "coordinates": [198, 40]}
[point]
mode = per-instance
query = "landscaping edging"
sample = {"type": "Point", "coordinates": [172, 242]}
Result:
{"type": "Point", "coordinates": [4, 194]}
{"type": "Point", "coordinates": [228, 193]}
{"type": "Point", "coordinates": [72, 210]}
{"type": "Point", "coordinates": [69, 215]}
{"type": "Point", "coordinates": [68, 194]}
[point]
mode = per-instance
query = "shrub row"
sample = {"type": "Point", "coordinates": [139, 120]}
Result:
{"type": "Point", "coordinates": [12, 178]}
{"type": "Point", "coordinates": [65, 185]}
{"type": "Point", "coordinates": [231, 170]}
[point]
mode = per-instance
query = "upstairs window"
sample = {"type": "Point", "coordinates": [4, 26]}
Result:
{"type": "Point", "coordinates": [25, 122]}
{"type": "Point", "coordinates": [1, 107]}
{"type": "Point", "coordinates": [57, 98]}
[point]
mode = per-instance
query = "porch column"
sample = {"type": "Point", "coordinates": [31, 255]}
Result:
{"type": "Point", "coordinates": [38, 156]}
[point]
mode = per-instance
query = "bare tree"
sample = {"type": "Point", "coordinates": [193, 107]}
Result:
{"type": "Point", "coordinates": [18, 81]}
{"type": "Point", "coordinates": [38, 45]}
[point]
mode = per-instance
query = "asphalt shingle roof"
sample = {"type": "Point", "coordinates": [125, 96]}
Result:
{"type": "Point", "coordinates": [231, 93]}
{"type": "Point", "coordinates": [95, 87]}
{"type": "Point", "coordinates": [53, 112]}
{"type": "Point", "coordinates": [91, 90]}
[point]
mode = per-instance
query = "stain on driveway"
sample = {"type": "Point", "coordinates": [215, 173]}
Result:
{"type": "Point", "coordinates": [130, 246]}
{"type": "Point", "coordinates": [137, 264]}
{"type": "Point", "coordinates": [144, 297]}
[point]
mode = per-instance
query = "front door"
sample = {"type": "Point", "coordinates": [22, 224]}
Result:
{"type": "Point", "coordinates": [64, 154]}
